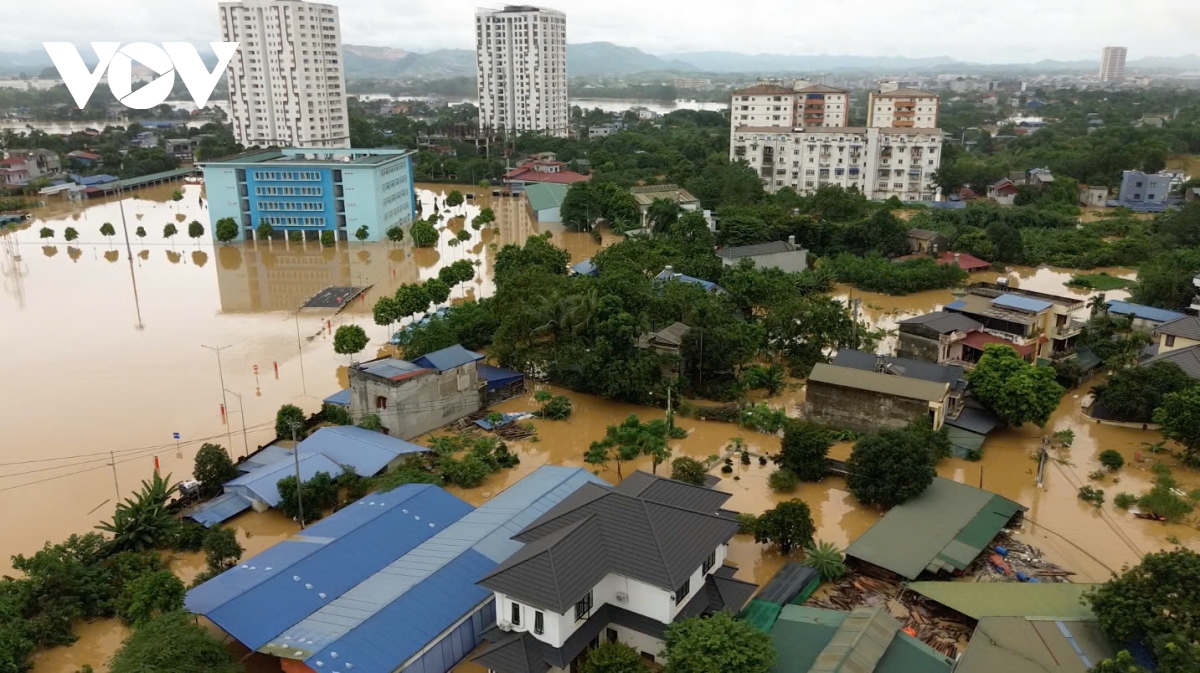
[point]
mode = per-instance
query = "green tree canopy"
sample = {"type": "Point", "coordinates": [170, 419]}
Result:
{"type": "Point", "coordinates": [350, 339]}
{"type": "Point", "coordinates": [788, 525]}
{"type": "Point", "coordinates": [395, 234]}
{"type": "Point", "coordinates": [172, 643]}
{"type": "Point", "coordinates": [221, 548]}
{"type": "Point", "coordinates": [411, 300]}
{"type": "Point", "coordinates": [213, 467]}
{"type": "Point", "coordinates": [170, 230]}
{"type": "Point", "coordinates": [1179, 416]}
{"type": "Point", "coordinates": [630, 439]}
{"type": "Point", "coordinates": [1133, 394]}
{"type": "Point", "coordinates": [1013, 389]}
{"type": "Point", "coordinates": [151, 595]}
{"type": "Point", "coordinates": [288, 415]}
{"type": "Point", "coordinates": [226, 230]}
{"type": "Point", "coordinates": [803, 450]}
{"type": "Point", "coordinates": [1156, 603]}
{"type": "Point", "coordinates": [264, 230]}
{"type": "Point", "coordinates": [362, 233]}
{"type": "Point", "coordinates": [454, 198]}
{"type": "Point", "coordinates": [437, 290]}
{"type": "Point", "coordinates": [889, 467]}
{"type": "Point", "coordinates": [717, 644]}
{"type": "Point", "coordinates": [424, 234]}
{"type": "Point", "coordinates": [195, 229]}
{"type": "Point", "coordinates": [107, 229]}
{"type": "Point", "coordinates": [613, 657]}
{"type": "Point", "coordinates": [688, 470]}
{"type": "Point", "coordinates": [70, 234]}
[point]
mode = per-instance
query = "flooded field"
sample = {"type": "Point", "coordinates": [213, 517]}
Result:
{"type": "Point", "coordinates": [104, 361]}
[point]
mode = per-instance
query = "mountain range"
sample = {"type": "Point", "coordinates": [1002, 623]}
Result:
{"type": "Point", "coordinates": [606, 58]}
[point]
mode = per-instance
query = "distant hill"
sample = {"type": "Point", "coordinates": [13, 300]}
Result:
{"type": "Point", "coordinates": [734, 62]}
{"type": "Point", "coordinates": [606, 58]}
{"type": "Point", "coordinates": [386, 62]}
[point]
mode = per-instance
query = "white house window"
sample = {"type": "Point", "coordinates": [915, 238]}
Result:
{"type": "Point", "coordinates": [584, 607]}
{"type": "Point", "coordinates": [683, 591]}
{"type": "Point", "coordinates": [539, 622]}
{"type": "Point", "coordinates": [516, 614]}
{"type": "Point", "coordinates": [709, 562]}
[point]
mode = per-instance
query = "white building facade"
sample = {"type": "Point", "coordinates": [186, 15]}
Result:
{"type": "Point", "coordinates": [1112, 64]}
{"type": "Point", "coordinates": [521, 70]}
{"type": "Point", "coordinates": [879, 162]}
{"type": "Point", "coordinates": [902, 108]}
{"type": "Point", "coordinates": [812, 105]}
{"type": "Point", "coordinates": [287, 83]}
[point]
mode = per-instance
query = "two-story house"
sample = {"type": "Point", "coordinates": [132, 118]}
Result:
{"type": "Point", "coordinates": [935, 337]}
{"type": "Point", "coordinates": [412, 398]}
{"type": "Point", "coordinates": [615, 563]}
{"type": "Point", "coordinates": [1036, 324]}
{"type": "Point", "coordinates": [1179, 344]}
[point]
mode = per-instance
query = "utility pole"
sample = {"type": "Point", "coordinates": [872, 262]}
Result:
{"type": "Point", "coordinates": [129, 251]}
{"type": "Point", "coordinates": [112, 460]}
{"type": "Point", "coordinates": [670, 414]}
{"type": "Point", "coordinates": [242, 411]}
{"type": "Point", "coordinates": [854, 318]}
{"type": "Point", "coordinates": [299, 484]}
{"type": "Point", "coordinates": [221, 374]}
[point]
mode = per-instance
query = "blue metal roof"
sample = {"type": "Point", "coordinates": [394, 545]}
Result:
{"type": "Point", "coordinates": [221, 508]}
{"type": "Point", "coordinates": [274, 590]}
{"type": "Point", "coordinates": [340, 398]}
{"type": "Point", "coordinates": [1020, 303]}
{"type": "Point", "coordinates": [391, 368]}
{"type": "Point", "coordinates": [496, 377]}
{"type": "Point", "coordinates": [706, 284]}
{"type": "Point", "coordinates": [268, 455]}
{"type": "Point", "coordinates": [586, 268]}
{"type": "Point", "coordinates": [1144, 312]}
{"type": "Point", "coordinates": [262, 484]}
{"type": "Point", "coordinates": [960, 304]}
{"type": "Point", "coordinates": [366, 451]}
{"type": "Point", "coordinates": [387, 618]}
{"type": "Point", "coordinates": [448, 358]}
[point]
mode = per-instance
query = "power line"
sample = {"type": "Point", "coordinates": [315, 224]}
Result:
{"type": "Point", "coordinates": [1074, 480]}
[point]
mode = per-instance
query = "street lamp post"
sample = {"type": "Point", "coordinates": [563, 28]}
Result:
{"type": "Point", "coordinates": [242, 411]}
{"type": "Point", "coordinates": [221, 374]}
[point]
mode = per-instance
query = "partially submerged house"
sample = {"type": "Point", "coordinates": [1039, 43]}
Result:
{"type": "Point", "coordinates": [1036, 324]}
{"type": "Point", "coordinates": [645, 196]}
{"type": "Point", "coordinates": [412, 398]}
{"type": "Point", "coordinates": [668, 341]}
{"type": "Point", "coordinates": [866, 400]}
{"type": "Point", "coordinates": [385, 584]}
{"type": "Point", "coordinates": [545, 201]}
{"type": "Point", "coordinates": [940, 531]}
{"type": "Point", "coordinates": [924, 241]}
{"type": "Point", "coordinates": [935, 337]}
{"type": "Point", "coordinates": [329, 450]}
{"type": "Point", "coordinates": [866, 640]}
{"type": "Point", "coordinates": [669, 275]}
{"type": "Point", "coordinates": [951, 375]}
{"type": "Point", "coordinates": [963, 260]}
{"type": "Point", "coordinates": [620, 563]}
{"type": "Point", "coordinates": [1179, 344]}
{"type": "Point", "coordinates": [1145, 318]}
{"type": "Point", "coordinates": [783, 255]}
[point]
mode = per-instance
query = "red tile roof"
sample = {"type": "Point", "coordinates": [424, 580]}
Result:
{"type": "Point", "coordinates": [978, 340]}
{"type": "Point", "coordinates": [522, 174]}
{"type": "Point", "coordinates": [965, 261]}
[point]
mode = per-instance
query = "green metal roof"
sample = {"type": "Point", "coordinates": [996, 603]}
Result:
{"type": "Point", "coordinates": [1011, 644]}
{"type": "Point", "coordinates": [761, 614]}
{"type": "Point", "coordinates": [963, 442]}
{"type": "Point", "coordinates": [543, 196]}
{"type": "Point", "coordinates": [943, 529]}
{"type": "Point", "coordinates": [859, 643]}
{"type": "Point", "coordinates": [1034, 600]}
{"type": "Point", "coordinates": [802, 633]}
{"type": "Point", "coordinates": [887, 384]}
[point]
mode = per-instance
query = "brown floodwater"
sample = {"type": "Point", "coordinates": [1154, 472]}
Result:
{"type": "Point", "coordinates": [94, 365]}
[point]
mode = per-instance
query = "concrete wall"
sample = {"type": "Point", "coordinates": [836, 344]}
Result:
{"type": "Point", "coordinates": [419, 404]}
{"type": "Point", "coordinates": [1176, 344]}
{"type": "Point", "coordinates": [916, 347]}
{"type": "Point", "coordinates": [860, 410]}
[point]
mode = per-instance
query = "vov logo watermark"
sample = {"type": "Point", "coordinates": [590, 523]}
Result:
{"type": "Point", "coordinates": [173, 57]}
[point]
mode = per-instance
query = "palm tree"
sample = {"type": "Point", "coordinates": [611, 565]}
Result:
{"type": "Point", "coordinates": [553, 317]}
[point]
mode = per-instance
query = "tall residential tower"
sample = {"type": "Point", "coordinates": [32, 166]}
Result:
{"type": "Point", "coordinates": [1112, 64]}
{"type": "Point", "coordinates": [287, 83]}
{"type": "Point", "coordinates": [521, 69]}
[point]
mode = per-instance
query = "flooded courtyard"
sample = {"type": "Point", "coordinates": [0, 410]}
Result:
{"type": "Point", "coordinates": [105, 359]}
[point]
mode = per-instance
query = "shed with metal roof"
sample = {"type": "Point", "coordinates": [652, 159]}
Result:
{"type": "Point", "coordinates": [386, 584]}
{"type": "Point", "coordinates": [864, 641]}
{"type": "Point", "coordinates": [545, 200]}
{"type": "Point", "coordinates": [260, 486]}
{"type": "Point", "coordinates": [1019, 303]}
{"type": "Point", "coordinates": [1034, 600]}
{"type": "Point", "coordinates": [942, 530]}
{"type": "Point", "coordinates": [1008, 644]}
{"type": "Point", "coordinates": [1149, 314]}
{"type": "Point", "coordinates": [448, 358]}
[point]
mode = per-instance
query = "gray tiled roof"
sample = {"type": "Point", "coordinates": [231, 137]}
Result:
{"type": "Point", "coordinates": [913, 369]}
{"type": "Point", "coordinates": [1187, 327]}
{"type": "Point", "coordinates": [654, 538]}
{"type": "Point", "coordinates": [1188, 360]}
{"type": "Point", "coordinates": [671, 492]}
{"type": "Point", "coordinates": [756, 249]}
{"type": "Point", "coordinates": [944, 322]}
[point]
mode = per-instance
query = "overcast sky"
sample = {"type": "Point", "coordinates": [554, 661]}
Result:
{"type": "Point", "coordinates": [994, 32]}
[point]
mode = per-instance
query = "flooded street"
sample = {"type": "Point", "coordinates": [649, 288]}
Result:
{"type": "Point", "coordinates": [104, 361]}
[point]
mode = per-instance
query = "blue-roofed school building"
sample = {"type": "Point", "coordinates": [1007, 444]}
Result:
{"type": "Point", "coordinates": [386, 584]}
{"type": "Point", "coordinates": [312, 190]}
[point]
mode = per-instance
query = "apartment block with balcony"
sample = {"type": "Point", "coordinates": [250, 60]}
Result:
{"type": "Point", "coordinates": [1036, 324]}
{"type": "Point", "coordinates": [880, 163]}
{"type": "Point", "coordinates": [521, 70]}
{"type": "Point", "coordinates": [902, 108]}
{"type": "Point", "coordinates": [763, 105]}
{"type": "Point", "coordinates": [617, 564]}
{"type": "Point", "coordinates": [287, 82]}
{"type": "Point", "coordinates": [822, 106]}
{"type": "Point", "coordinates": [311, 191]}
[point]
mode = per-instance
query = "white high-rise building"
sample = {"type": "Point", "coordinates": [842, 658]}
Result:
{"type": "Point", "coordinates": [809, 105]}
{"type": "Point", "coordinates": [287, 81]}
{"type": "Point", "coordinates": [1112, 64]}
{"type": "Point", "coordinates": [902, 108]}
{"type": "Point", "coordinates": [521, 69]}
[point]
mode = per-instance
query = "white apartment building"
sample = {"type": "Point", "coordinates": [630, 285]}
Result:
{"type": "Point", "coordinates": [1112, 64]}
{"type": "Point", "coordinates": [521, 70]}
{"type": "Point", "coordinates": [776, 105]}
{"type": "Point", "coordinates": [287, 83]}
{"type": "Point", "coordinates": [902, 108]}
{"type": "Point", "coordinates": [614, 563]}
{"type": "Point", "coordinates": [879, 162]}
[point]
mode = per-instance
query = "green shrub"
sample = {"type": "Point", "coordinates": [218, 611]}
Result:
{"type": "Point", "coordinates": [783, 480]}
{"type": "Point", "coordinates": [688, 470]}
{"type": "Point", "coordinates": [826, 559]}
{"type": "Point", "coordinates": [1112, 459]}
{"type": "Point", "coordinates": [1125, 500]}
{"type": "Point", "coordinates": [1095, 496]}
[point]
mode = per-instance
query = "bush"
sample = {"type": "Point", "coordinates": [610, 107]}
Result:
{"type": "Point", "coordinates": [876, 274]}
{"type": "Point", "coordinates": [328, 239]}
{"type": "Point", "coordinates": [149, 596]}
{"type": "Point", "coordinates": [371, 422]}
{"type": "Point", "coordinates": [337, 414]}
{"type": "Point", "coordinates": [1112, 459]}
{"type": "Point", "coordinates": [726, 469]}
{"type": "Point", "coordinates": [318, 494]}
{"type": "Point", "coordinates": [826, 559]}
{"type": "Point", "coordinates": [556, 408]}
{"type": "Point", "coordinates": [288, 415]}
{"type": "Point", "coordinates": [688, 470]}
{"type": "Point", "coordinates": [188, 536]}
{"type": "Point", "coordinates": [172, 643]}
{"type": "Point", "coordinates": [717, 643]}
{"type": "Point", "coordinates": [787, 525]}
{"type": "Point", "coordinates": [747, 523]}
{"type": "Point", "coordinates": [783, 480]}
{"type": "Point", "coordinates": [1125, 500]}
{"type": "Point", "coordinates": [1161, 501]}
{"type": "Point", "coordinates": [764, 418]}
{"type": "Point", "coordinates": [1095, 496]}
{"type": "Point", "coordinates": [222, 549]}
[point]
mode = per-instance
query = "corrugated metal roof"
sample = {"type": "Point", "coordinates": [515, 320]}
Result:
{"type": "Point", "coordinates": [1144, 312]}
{"type": "Point", "coordinates": [706, 284]}
{"type": "Point", "coordinates": [392, 368]}
{"type": "Point", "coordinates": [395, 612]}
{"type": "Point", "coordinates": [221, 508]}
{"type": "Point", "coordinates": [945, 527]}
{"type": "Point", "coordinates": [270, 592]}
{"type": "Point", "coordinates": [772, 248]}
{"type": "Point", "coordinates": [448, 358]}
{"type": "Point", "coordinates": [1027, 304]}
{"type": "Point", "coordinates": [544, 196]}
{"type": "Point", "coordinates": [1009, 644]}
{"type": "Point", "coordinates": [340, 398]}
{"type": "Point", "coordinates": [859, 643]}
{"type": "Point", "coordinates": [496, 377]}
{"type": "Point", "coordinates": [1035, 600]}
{"type": "Point", "coordinates": [943, 322]}
{"type": "Point", "coordinates": [646, 195]}
{"type": "Point", "coordinates": [801, 633]}
{"type": "Point", "coordinates": [366, 451]}
{"type": "Point", "coordinates": [886, 384]}
{"type": "Point", "coordinates": [262, 484]}
{"type": "Point", "coordinates": [904, 367]}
